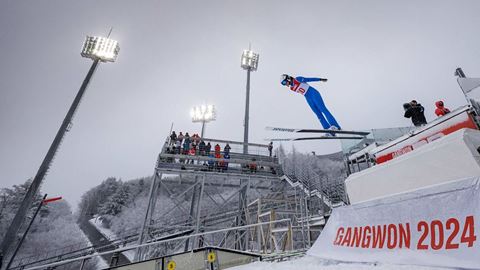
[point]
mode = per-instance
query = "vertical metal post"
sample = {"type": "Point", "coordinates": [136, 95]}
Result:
{"type": "Point", "coordinates": [203, 128]}
{"type": "Point", "coordinates": [82, 265]}
{"type": "Point", "coordinates": [240, 241]}
{"type": "Point", "coordinates": [309, 236]}
{"type": "Point", "coordinates": [42, 171]}
{"type": "Point", "coordinates": [259, 228]}
{"type": "Point", "coordinates": [148, 214]}
{"type": "Point", "coordinates": [299, 202]}
{"type": "Point", "coordinates": [192, 212]}
{"type": "Point", "coordinates": [198, 212]}
{"type": "Point", "coordinates": [247, 108]}
{"type": "Point", "coordinates": [25, 233]}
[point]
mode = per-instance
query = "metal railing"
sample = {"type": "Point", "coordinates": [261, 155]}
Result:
{"type": "Point", "coordinates": [258, 235]}
{"type": "Point", "coordinates": [306, 182]}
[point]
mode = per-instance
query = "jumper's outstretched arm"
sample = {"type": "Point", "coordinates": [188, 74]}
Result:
{"type": "Point", "coordinates": [305, 80]}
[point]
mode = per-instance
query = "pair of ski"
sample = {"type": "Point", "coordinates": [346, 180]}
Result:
{"type": "Point", "coordinates": [329, 134]}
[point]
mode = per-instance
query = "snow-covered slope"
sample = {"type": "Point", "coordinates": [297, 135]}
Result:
{"type": "Point", "coordinates": [313, 263]}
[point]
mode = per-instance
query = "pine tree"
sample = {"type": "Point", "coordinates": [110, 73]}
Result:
{"type": "Point", "coordinates": [117, 201]}
{"type": "Point", "coordinates": [10, 201]}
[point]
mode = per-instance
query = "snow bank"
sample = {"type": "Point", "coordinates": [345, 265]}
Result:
{"type": "Point", "coordinates": [313, 263]}
{"type": "Point", "coordinates": [110, 235]}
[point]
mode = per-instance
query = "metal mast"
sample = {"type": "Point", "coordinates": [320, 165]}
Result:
{"type": "Point", "coordinates": [99, 49]}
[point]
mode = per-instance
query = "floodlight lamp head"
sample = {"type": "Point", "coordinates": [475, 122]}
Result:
{"type": "Point", "coordinates": [100, 48]}
{"type": "Point", "coordinates": [203, 113]}
{"type": "Point", "coordinates": [249, 60]}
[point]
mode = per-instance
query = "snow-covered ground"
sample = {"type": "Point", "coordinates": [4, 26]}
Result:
{"type": "Point", "coordinates": [97, 222]}
{"type": "Point", "coordinates": [110, 235]}
{"type": "Point", "coordinates": [314, 263]}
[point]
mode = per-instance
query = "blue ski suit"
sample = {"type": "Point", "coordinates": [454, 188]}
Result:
{"type": "Point", "coordinates": [314, 100]}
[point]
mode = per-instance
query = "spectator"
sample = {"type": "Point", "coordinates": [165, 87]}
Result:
{"type": "Point", "coordinates": [253, 166]}
{"type": "Point", "coordinates": [178, 146]}
{"type": "Point", "coordinates": [187, 139]}
{"type": "Point", "coordinates": [441, 110]}
{"type": "Point", "coordinates": [226, 149]}
{"type": "Point", "coordinates": [270, 148]}
{"type": "Point", "coordinates": [201, 148]}
{"type": "Point", "coordinates": [208, 148]}
{"type": "Point", "coordinates": [226, 156]}
{"type": "Point", "coordinates": [194, 145]}
{"type": "Point", "coordinates": [210, 162]}
{"type": "Point", "coordinates": [180, 137]}
{"type": "Point", "coordinates": [196, 138]}
{"type": "Point", "coordinates": [186, 145]}
{"type": "Point", "coordinates": [415, 111]}
{"type": "Point", "coordinates": [217, 149]}
{"type": "Point", "coordinates": [192, 152]}
{"type": "Point", "coordinates": [173, 137]}
{"type": "Point", "coordinates": [217, 155]}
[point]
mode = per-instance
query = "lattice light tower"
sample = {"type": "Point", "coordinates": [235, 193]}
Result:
{"type": "Point", "coordinates": [99, 49]}
{"type": "Point", "coordinates": [203, 114]}
{"type": "Point", "coordinates": [249, 63]}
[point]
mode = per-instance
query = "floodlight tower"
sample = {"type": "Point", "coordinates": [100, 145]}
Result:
{"type": "Point", "coordinates": [99, 49]}
{"type": "Point", "coordinates": [203, 114]}
{"type": "Point", "coordinates": [249, 63]}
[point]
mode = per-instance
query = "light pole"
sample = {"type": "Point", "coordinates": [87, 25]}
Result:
{"type": "Point", "coordinates": [203, 114]}
{"type": "Point", "coordinates": [99, 49]}
{"type": "Point", "coordinates": [249, 63]}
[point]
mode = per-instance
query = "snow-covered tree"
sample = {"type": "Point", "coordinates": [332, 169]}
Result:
{"type": "Point", "coordinates": [117, 201]}
{"type": "Point", "coordinates": [10, 200]}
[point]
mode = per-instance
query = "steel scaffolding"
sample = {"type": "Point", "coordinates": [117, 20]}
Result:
{"type": "Point", "coordinates": [286, 205]}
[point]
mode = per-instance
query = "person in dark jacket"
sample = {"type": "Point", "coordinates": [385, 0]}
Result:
{"type": "Point", "coordinates": [208, 148]}
{"type": "Point", "coordinates": [441, 110]}
{"type": "Point", "coordinates": [415, 111]}
{"type": "Point", "coordinates": [201, 148]}
{"type": "Point", "coordinates": [173, 137]}
{"type": "Point", "coordinates": [226, 149]}
{"type": "Point", "coordinates": [186, 145]}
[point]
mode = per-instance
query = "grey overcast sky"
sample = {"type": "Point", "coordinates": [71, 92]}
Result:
{"type": "Point", "coordinates": [176, 54]}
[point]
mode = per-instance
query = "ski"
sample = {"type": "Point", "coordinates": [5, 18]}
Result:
{"type": "Point", "coordinates": [295, 130]}
{"type": "Point", "coordinates": [316, 138]}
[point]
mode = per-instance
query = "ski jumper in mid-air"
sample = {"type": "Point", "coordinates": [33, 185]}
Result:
{"type": "Point", "coordinates": [313, 97]}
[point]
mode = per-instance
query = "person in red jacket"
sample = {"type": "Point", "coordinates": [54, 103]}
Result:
{"type": "Point", "coordinates": [217, 155]}
{"type": "Point", "coordinates": [217, 149]}
{"type": "Point", "coordinates": [441, 110]}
